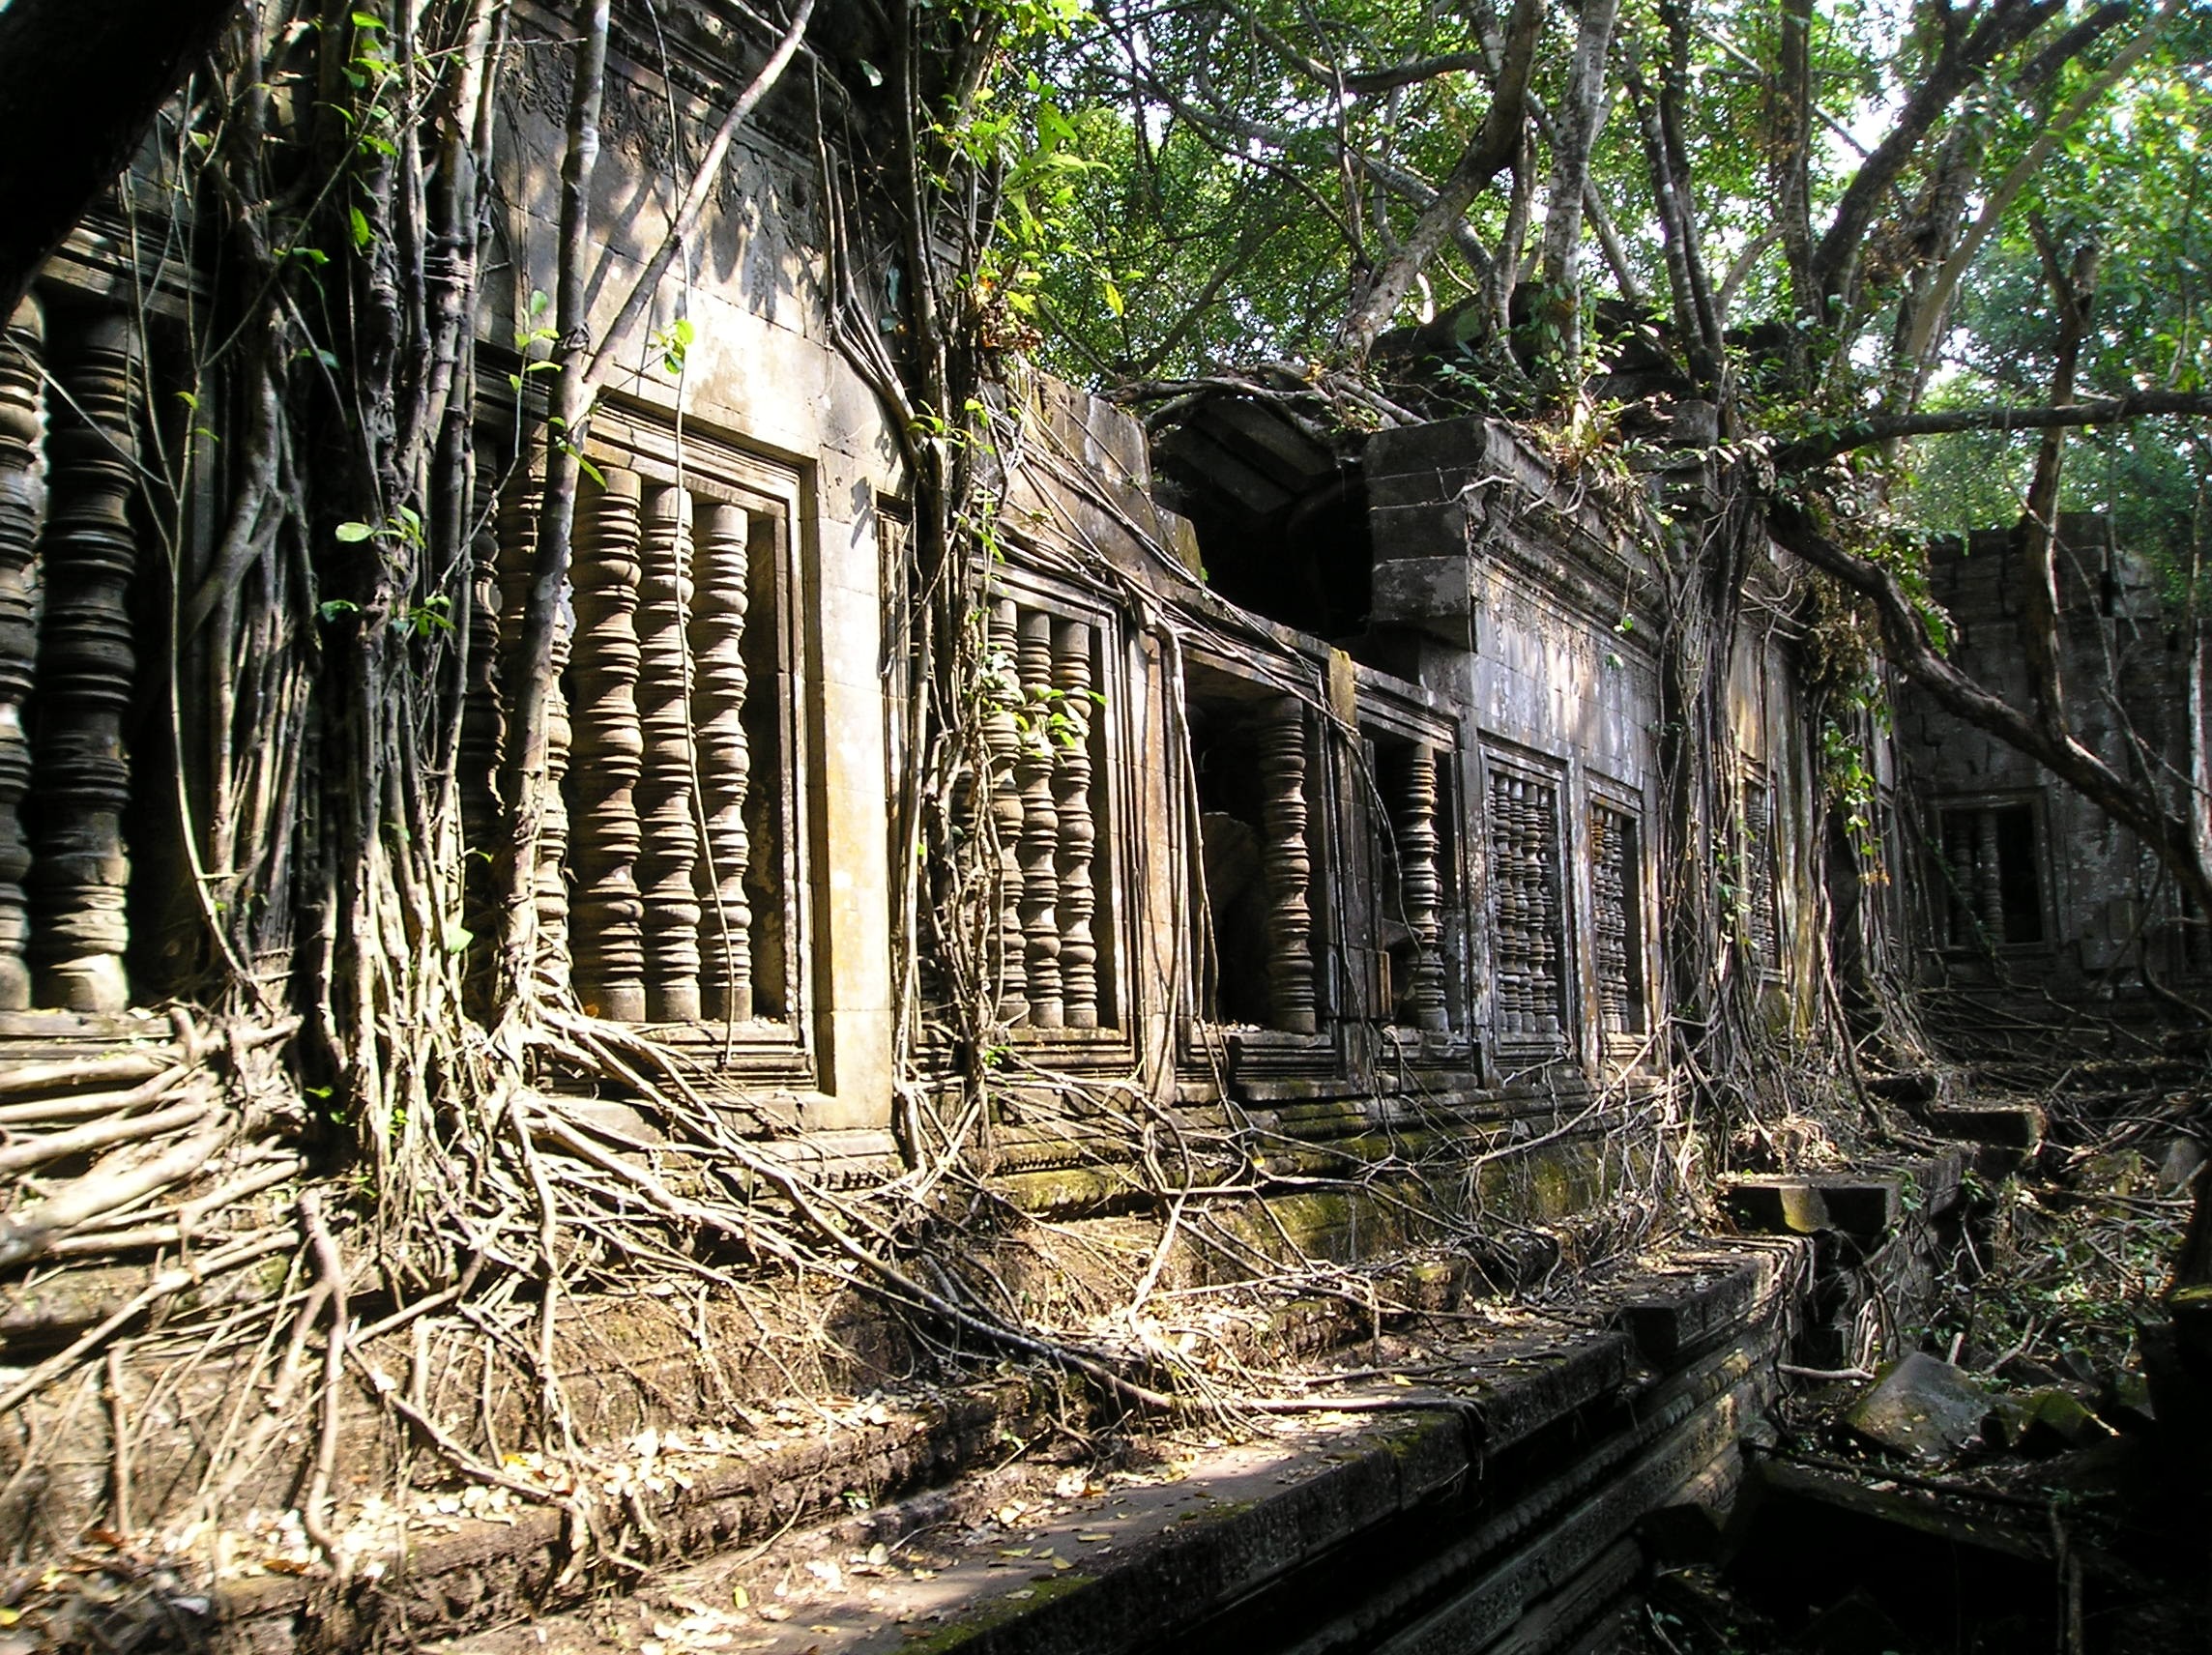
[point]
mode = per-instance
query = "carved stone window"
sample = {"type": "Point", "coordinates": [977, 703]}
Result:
{"type": "Point", "coordinates": [671, 886]}
{"type": "Point", "coordinates": [1250, 746]}
{"type": "Point", "coordinates": [1990, 875]}
{"type": "Point", "coordinates": [1616, 920]}
{"type": "Point", "coordinates": [1756, 892]}
{"type": "Point", "coordinates": [1526, 917]}
{"type": "Point", "coordinates": [1049, 804]}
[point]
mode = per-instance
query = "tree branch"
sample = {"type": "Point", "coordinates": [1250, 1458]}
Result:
{"type": "Point", "coordinates": [1491, 149]}
{"type": "Point", "coordinates": [1877, 428]}
{"type": "Point", "coordinates": [2170, 837]}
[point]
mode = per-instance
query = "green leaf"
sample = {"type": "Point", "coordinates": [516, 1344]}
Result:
{"type": "Point", "coordinates": [337, 607]}
{"type": "Point", "coordinates": [352, 533]}
{"type": "Point", "coordinates": [363, 235]}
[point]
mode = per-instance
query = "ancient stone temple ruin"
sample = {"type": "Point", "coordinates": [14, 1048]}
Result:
{"type": "Point", "coordinates": [1324, 786]}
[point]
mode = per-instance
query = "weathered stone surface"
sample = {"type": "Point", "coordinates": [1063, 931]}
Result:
{"type": "Point", "coordinates": [2047, 1420]}
{"type": "Point", "coordinates": [1923, 1408]}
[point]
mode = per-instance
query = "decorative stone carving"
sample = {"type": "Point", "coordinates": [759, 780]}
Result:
{"type": "Point", "coordinates": [517, 552]}
{"type": "Point", "coordinates": [1420, 890]}
{"type": "Point", "coordinates": [1078, 831]}
{"type": "Point", "coordinates": [22, 510]}
{"type": "Point", "coordinates": [1616, 884]}
{"type": "Point", "coordinates": [1003, 741]}
{"type": "Point", "coordinates": [605, 908]}
{"type": "Point", "coordinates": [669, 846]}
{"type": "Point", "coordinates": [1758, 873]}
{"type": "Point", "coordinates": [1524, 871]}
{"type": "Point", "coordinates": [86, 666]}
{"type": "Point", "coordinates": [1038, 851]}
{"type": "Point", "coordinates": [717, 636]}
{"type": "Point", "coordinates": [1288, 864]}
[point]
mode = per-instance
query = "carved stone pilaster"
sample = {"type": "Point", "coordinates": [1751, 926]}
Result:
{"type": "Point", "coordinates": [86, 667]}
{"type": "Point", "coordinates": [1289, 865]}
{"type": "Point", "coordinates": [606, 909]}
{"type": "Point", "coordinates": [670, 844]}
{"type": "Point", "coordinates": [725, 762]}
{"type": "Point", "coordinates": [1003, 741]}
{"type": "Point", "coordinates": [1420, 890]}
{"type": "Point", "coordinates": [1039, 843]}
{"type": "Point", "coordinates": [1078, 831]}
{"type": "Point", "coordinates": [22, 511]}
{"type": "Point", "coordinates": [518, 511]}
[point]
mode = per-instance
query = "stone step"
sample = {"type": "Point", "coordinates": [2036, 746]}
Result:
{"type": "Point", "coordinates": [1491, 1503]}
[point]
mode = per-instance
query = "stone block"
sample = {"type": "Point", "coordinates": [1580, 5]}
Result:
{"type": "Point", "coordinates": [1431, 595]}
{"type": "Point", "coordinates": [1924, 1408]}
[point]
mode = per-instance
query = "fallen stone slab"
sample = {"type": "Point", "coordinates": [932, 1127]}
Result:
{"type": "Point", "coordinates": [1923, 1408]}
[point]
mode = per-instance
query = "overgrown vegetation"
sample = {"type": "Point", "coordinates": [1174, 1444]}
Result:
{"type": "Point", "coordinates": [1012, 178]}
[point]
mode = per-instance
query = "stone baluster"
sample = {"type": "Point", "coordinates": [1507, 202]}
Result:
{"type": "Point", "coordinates": [1613, 880]}
{"type": "Point", "coordinates": [1544, 892]}
{"type": "Point", "coordinates": [1989, 887]}
{"type": "Point", "coordinates": [1288, 864]}
{"type": "Point", "coordinates": [1078, 831]}
{"type": "Point", "coordinates": [1003, 741]}
{"type": "Point", "coordinates": [518, 512]}
{"type": "Point", "coordinates": [725, 762]}
{"type": "Point", "coordinates": [22, 510]}
{"type": "Point", "coordinates": [669, 846]}
{"type": "Point", "coordinates": [610, 749]}
{"type": "Point", "coordinates": [1420, 890]}
{"type": "Point", "coordinates": [79, 767]}
{"type": "Point", "coordinates": [1508, 929]}
{"type": "Point", "coordinates": [1039, 842]}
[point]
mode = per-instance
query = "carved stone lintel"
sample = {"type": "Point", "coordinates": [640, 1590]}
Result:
{"type": "Point", "coordinates": [1039, 842]}
{"type": "Point", "coordinates": [23, 512]}
{"type": "Point", "coordinates": [718, 688]}
{"type": "Point", "coordinates": [606, 909]}
{"type": "Point", "coordinates": [86, 667]}
{"type": "Point", "coordinates": [1420, 890]}
{"type": "Point", "coordinates": [518, 511]}
{"type": "Point", "coordinates": [1071, 787]}
{"type": "Point", "coordinates": [1289, 865]}
{"type": "Point", "coordinates": [669, 846]}
{"type": "Point", "coordinates": [1003, 741]}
